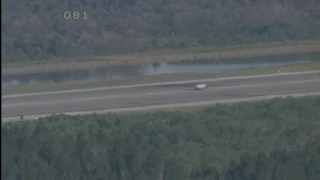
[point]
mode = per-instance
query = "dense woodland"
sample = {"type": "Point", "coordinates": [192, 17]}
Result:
{"type": "Point", "coordinates": [37, 30]}
{"type": "Point", "coordinates": [277, 139]}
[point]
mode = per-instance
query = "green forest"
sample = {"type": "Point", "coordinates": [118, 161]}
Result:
{"type": "Point", "coordinates": [276, 139]}
{"type": "Point", "coordinates": [47, 30]}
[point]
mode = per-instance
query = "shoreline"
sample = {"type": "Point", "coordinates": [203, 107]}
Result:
{"type": "Point", "coordinates": [213, 53]}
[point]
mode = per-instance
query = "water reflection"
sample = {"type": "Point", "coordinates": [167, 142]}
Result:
{"type": "Point", "coordinates": [201, 66]}
{"type": "Point", "coordinates": [92, 75]}
{"type": "Point", "coordinates": [166, 68]}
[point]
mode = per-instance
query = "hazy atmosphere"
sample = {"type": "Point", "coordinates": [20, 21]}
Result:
{"type": "Point", "coordinates": [160, 90]}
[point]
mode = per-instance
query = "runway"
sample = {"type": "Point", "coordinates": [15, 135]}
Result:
{"type": "Point", "coordinates": [163, 94]}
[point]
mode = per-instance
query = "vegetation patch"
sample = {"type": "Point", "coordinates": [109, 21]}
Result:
{"type": "Point", "coordinates": [39, 31]}
{"type": "Point", "coordinates": [271, 138]}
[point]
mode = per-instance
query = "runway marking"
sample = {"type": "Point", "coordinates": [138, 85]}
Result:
{"type": "Point", "coordinates": [34, 117]}
{"type": "Point", "coordinates": [165, 83]}
{"type": "Point", "coordinates": [180, 91]}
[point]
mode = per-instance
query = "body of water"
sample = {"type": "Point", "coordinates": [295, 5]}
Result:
{"type": "Point", "coordinates": [195, 67]}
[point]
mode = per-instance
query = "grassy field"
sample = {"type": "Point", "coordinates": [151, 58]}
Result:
{"type": "Point", "coordinates": [197, 108]}
{"type": "Point", "coordinates": [165, 56]}
{"type": "Point", "coordinates": [155, 79]}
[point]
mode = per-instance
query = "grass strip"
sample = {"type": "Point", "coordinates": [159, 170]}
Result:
{"type": "Point", "coordinates": [213, 53]}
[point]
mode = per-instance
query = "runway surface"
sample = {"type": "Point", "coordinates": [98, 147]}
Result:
{"type": "Point", "coordinates": [161, 94]}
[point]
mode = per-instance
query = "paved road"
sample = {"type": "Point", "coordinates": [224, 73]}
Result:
{"type": "Point", "coordinates": [161, 94]}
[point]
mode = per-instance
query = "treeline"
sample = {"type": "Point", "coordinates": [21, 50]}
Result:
{"type": "Point", "coordinates": [275, 139]}
{"type": "Point", "coordinates": [299, 164]}
{"type": "Point", "coordinates": [40, 30]}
